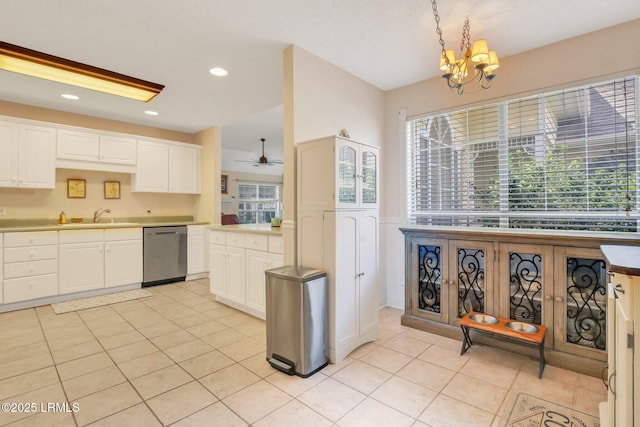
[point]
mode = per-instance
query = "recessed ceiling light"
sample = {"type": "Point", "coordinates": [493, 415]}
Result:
{"type": "Point", "coordinates": [70, 96]}
{"type": "Point", "coordinates": [218, 72]}
{"type": "Point", "coordinates": [151, 113]}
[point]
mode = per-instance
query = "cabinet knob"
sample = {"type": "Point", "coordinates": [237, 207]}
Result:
{"type": "Point", "coordinates": [548, 297]}
{"type": "Point", "coordinates": [559, 299]}
{"type": "Point", "coordinates": [32, 254]}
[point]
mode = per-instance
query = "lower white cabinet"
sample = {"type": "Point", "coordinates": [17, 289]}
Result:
{"type": "Point", "coordinates": [81, 260]}
{"type": "Point", "coordinates": [94, 259]}
{"type": "Point", "coordinates": [30, 266]}
{"type": "Point", "coordinates": [623, 318]}
{"type": "Point", "coordinates": [122, 257]}
{"type": "Point", "coordinates": [237, 265]}
{"type": "Point", "coordinates": [197, 259]}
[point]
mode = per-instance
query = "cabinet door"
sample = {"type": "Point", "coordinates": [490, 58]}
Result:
{"type": "Point", "coordinates": [218, 270]}
{"type": "Point", "coordinates": [235, 279]}
{"type": "Point", "coordinates": [74, 145]}
{"type": "Point", "coordinates": [81, 267]}
{"type": "Point", "coordinates": [427, 279]}
{"type": "Point", "coordinates": [471, 279]}
{"type": "Point", "coordinates": [528, 294]}
{"type": "Point", "coordinates": [624, 375]}
{"type": "Point", "coordinates": [347, 173]}
{"type": "Point", "coordinates": [8, 154]}
{"type": "Point", "coordinates": [122, 262]}
{"type": "Point", "coordinates": [114, 149]}
{"type": "Point", "coordinates": [580, 302]}
{"type": "Point", "coordinates": [368, 177]}
{"type": "Point", "coordinates": [184, 169]}
{"type": "Point", "coordinates": [344, 297]}
{"type": "Point", "coordinates": [256, 262]}
{"type": "Point", "coordinates": [152, 171]}
{"type": "Point", "coordinates": [196, 259]}
{"type": "Point", "coordinates": [368, 303]}
{"type": "Point", "coordinates": [36, 157]}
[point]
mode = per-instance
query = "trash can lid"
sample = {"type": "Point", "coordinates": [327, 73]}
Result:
{"type": "Point", "coordinates": [296, 272]}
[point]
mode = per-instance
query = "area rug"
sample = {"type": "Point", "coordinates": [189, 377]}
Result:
{"type": "Point", "coordinates": [531, 411]}
{"type": "Point", "coordinates": [83, 303]}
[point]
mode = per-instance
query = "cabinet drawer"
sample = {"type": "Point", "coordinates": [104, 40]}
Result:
{"type": "Point", "coordinates": [256, 241]}
{"type": "Point", "coordinates": [30, 268]}
{"type": "Point", "coordinates": [30, 238]}
{"type": "Point", "coordinates": [27, 288]}
{"type": "Point", "coordinates": [30, 253]}
{"type": "Point", "coordinates": [217, 237]}
{"type": "Point", "coordinates": [123, 234]}
{"type": "Point", "coordinates": [275, 244]}
{"type": "Point", "coordinates": [81, 236]}
{"type": "Point", "coordinates": [235, 239]}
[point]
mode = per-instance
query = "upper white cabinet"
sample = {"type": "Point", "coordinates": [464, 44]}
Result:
{"type": "Point", "coordinates": [167, 167]}
{"type": "Point", "coordinates": [27, 155]}
{"type": "Point", "coordinates": [86, 150]}
{"type": "Point", "coordinates": [335, 173]}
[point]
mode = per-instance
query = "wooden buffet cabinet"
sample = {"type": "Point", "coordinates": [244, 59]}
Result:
{"type": "Point", "coordinates": [554, 278]}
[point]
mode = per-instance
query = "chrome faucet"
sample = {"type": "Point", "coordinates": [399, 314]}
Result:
{"type": "Point", "coordinates": [98, 213]}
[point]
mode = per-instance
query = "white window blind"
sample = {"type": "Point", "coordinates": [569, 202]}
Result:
{"type": "Point", "coordinates": [560, 160]}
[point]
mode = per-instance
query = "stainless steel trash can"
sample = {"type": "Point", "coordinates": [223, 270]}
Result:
{"type": "Point", "coordinates": [296, 313]}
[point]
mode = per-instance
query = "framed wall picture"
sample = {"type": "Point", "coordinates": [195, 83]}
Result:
{"type": "Point", "coordinates": [76, 188]}
{"type": "Point", "coordinates": [223, 184]}
{"type": "Point", "coordinates": [112, 189]}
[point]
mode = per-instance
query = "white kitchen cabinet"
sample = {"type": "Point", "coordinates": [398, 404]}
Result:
{"type": "Point", "coordinates": [1, 270]}
{"type": "Point", "coordinates": [623, 318]}
{"type": "Point", "coordinates": [27, 155]}
{"type": "Point", "coordinates": [81, 254]}
{"type": "Point", "coordinates": [152, 174]}
{"type": "Point", "coordinates": [197, 259]}
{"type": "Point", "coordinates": [122, 257]}
{"type": "Point", "coordinates": [337, 173]}
{"type": "Point", "coordinates": [167, 167]}
{"type": "Point", "coordinates": [184, 169]}
{"type": "Point", "coordinates": [237, 265]}
{"type": "Point", "coordinates": [79, 149]}
{"type": "Point", "coordinates": [30, 266]}
{"type": "Point", "coordinates": [337, 231]}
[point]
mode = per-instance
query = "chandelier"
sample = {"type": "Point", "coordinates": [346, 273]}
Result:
{"type": "Point", "coordinates": [476, 64]}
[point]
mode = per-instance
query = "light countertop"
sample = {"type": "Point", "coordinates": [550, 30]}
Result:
{"type": "Point", "coordinates": [248, 228]}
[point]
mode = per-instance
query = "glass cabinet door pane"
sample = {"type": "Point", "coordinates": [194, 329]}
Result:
{"type": "Point", "coordinates": [471, 276]}
{"type": "Point", "coordinates": [586, 302]}
{"type": "Point", "coordinates": [369, 184]}
{"type": "Point", "coordinates": [347, 175]}
{"type": "Point", "coordinates": [525, 287]}
{"type": "Point", "coordinates": [429, 278]}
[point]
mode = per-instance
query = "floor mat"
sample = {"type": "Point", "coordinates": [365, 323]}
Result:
{"type": "Point", "coordinates": [83, 303]}
{"type": "Point", "coordinates": [531, 411]}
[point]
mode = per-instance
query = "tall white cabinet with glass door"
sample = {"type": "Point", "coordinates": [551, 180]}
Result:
{"type": "Point", "coordinates": [338, 232]}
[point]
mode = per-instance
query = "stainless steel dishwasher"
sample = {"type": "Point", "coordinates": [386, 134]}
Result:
{"type": "Point", "coordinates": [165, 255]}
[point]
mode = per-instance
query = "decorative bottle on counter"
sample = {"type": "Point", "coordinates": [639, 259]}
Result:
{"type": "Point", "coordinates": [63, 218]}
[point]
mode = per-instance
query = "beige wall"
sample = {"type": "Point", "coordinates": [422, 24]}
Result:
{"type": "Point", "coordinates": [589, 58]}
{"type": "Point", "coordinates": [320, 99]}
{"type": "Point", "coordinates": [25, 203]}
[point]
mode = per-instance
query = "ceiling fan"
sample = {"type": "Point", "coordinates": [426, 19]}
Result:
{"type": "Point", "coordinates": [263, 159]}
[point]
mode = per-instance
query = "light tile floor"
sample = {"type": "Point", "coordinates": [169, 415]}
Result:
{"type": "Point", "coordinates": [180, 358]}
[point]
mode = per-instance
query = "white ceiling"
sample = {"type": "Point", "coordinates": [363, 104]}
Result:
{"type": "Point", "coordinates": [389, 43]}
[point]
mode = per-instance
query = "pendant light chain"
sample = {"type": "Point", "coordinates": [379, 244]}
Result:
{"type": "Point", "coordinates": [434, 6]}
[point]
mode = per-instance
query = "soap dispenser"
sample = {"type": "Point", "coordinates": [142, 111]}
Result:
{"type": "Point", "coordinates": [63, 218]}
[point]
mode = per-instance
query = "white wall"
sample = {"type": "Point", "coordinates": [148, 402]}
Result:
{"type": "Point", "coordinates": [593, 57]}
{"type": "Point", "coordinates": [320, 99]}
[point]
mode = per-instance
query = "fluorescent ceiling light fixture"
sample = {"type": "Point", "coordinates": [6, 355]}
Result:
{"type": "Point", "coordinates": [219, 72]}
{"type": "Point", "coordinates": [37, 64]}
{"type": "Point", "coordinates": [70, 96]}
{"type": "Point", "coordinates": [151, 113]}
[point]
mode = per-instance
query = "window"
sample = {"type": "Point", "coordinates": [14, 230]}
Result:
{"type": "Point", "coordinates": [560, 160]}
{"type": "Point", "coordinates": [258, 202]}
